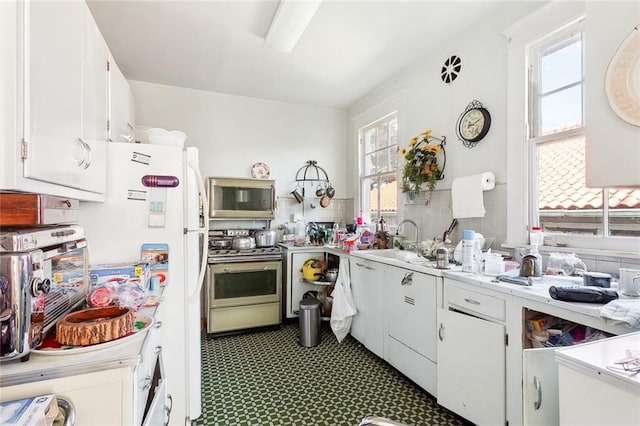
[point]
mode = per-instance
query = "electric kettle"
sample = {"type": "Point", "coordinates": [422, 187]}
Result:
{"type": "Point", "coordinates": [531, 265]}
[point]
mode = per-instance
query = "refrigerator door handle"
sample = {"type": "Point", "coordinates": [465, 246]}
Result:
{"type": "Point", "coordinates": [204, 231]}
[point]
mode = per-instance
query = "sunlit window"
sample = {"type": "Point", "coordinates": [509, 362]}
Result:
{"type": "Point", "coordinates": [379, 164]}
{"type": "Point", "coordinates": [557, 146]}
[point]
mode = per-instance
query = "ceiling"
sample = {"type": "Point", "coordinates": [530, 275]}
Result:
{"type": "Point", "coordinates": [348, 49]}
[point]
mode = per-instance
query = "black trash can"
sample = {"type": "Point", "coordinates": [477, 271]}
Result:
{"type": "Point", "coordinates": [310, 322]}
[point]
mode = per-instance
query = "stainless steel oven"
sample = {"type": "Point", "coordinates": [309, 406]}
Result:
{"type": "Point", "coordinates": [231, 198]}
{"type": "Point", "coordinates": [243, 288]}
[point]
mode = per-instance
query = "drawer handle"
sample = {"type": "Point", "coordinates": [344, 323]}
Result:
{"type": "Point", "coordinates": [365, 266]}
{"type": "Point", "coordinates": [147, 384]}
{"type": "Point", "coordinates": [157, 350]}
{"type": "Point", "coordinates": [536, 383]}
{"type": "Point", "coordinates": [473, 302]}
{"type": "Point", "coordinates": [158, 324]}
{"type": "Point", "coordinates": [66, 203]}
{"type": "Point", "coordinates": [168, 408]}
{"type": "Point", "coordinates": [407, 279]}
{"type": "Point", "coordinates": [440, 330]}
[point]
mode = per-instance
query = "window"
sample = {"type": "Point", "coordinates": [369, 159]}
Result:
{"type": "Point", "coordinates": [556, 146]}
{"type": "Point", "coordinates": [378, 167]}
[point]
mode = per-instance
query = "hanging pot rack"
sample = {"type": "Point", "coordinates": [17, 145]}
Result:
{"type": "Point", "coordinates": [311, 172]}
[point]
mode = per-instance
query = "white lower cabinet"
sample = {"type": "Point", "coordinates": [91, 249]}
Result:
{"type": "Point", "coordinates": [472, 355]}
{"type": "Point", "coordinates": [540, 387]}
{"type": "Point", "coordinates": [411, 300]}
{"type": "Point", "coordinates": [366, 286]}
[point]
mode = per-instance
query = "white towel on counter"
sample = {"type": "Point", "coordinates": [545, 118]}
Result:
{"type": "Point", "coordinates": [622, 311]}
{"type": "Point", "coordinates": [343, 308]}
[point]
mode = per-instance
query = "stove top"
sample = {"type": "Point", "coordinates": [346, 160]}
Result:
{"type": "Point", "coordinates": [220, 250]}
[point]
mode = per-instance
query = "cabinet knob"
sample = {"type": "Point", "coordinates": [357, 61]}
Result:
{"type": "Point", "coordinates": [168, 408]}
{"type": "Point", "coordinates": [440, 330]}
{"type": "Point", "coordinates": [158, 324]}
{"type": "Point", "coordinates": [157, 350]}
{"type": "Point", "coordinates": [146, 384]}
{"type": "Point", "coordinates": [407, 279]}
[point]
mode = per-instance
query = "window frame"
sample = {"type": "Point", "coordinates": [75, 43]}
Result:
{"type": "Point", "coordinates": [362, 157]}
{"type": "Point", "coordinates": [543, 20]}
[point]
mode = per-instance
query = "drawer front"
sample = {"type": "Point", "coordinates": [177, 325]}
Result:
{"type": "Point", "coordinates": [478, 303]}
{"type": "Point", "coordinates": [36, 209]}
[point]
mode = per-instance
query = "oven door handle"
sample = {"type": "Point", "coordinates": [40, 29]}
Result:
{"type": "Point", "coordinates": [244, 271]}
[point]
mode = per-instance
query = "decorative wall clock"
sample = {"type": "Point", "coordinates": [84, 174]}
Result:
{"type": "Point", "coordinates": [473, 124]}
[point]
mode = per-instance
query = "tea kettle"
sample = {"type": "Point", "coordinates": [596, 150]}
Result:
{"type": "Point", "coordinates": [531, 265]}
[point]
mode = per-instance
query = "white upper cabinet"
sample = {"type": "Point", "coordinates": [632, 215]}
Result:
{"type": "Point", "coordinates": [64, 108]}
{"type": "Point", "coordinates": [613, 144]}
{"type": "Point", "coordinates": [121, 106]}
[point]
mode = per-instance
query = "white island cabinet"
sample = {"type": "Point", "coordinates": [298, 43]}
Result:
{"type": "Point", "coordinates": [590, 391]}
{"type": "Point", "coordinates": [54, 106]}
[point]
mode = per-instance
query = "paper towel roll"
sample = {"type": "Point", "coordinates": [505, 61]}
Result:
{"type": "Point", "coordinates": [466, 194]}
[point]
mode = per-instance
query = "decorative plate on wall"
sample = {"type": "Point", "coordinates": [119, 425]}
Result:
{"type": "Point", "coordinates": [260, 171]}
{"type": "Point", "coordinates": [622, 80]}
{"type": "Point", "coordinates": [451, 69]}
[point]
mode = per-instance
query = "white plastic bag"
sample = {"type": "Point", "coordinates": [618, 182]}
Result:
{"type": "Point", "coordinates": [343, 307]}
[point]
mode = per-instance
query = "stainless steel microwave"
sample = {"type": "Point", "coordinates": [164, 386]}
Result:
{"type": "Point", "coordinates": [236, 198]}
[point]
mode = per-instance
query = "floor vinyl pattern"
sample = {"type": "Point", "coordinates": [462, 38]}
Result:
{"type": "Point", "coordinates": [267, 378]}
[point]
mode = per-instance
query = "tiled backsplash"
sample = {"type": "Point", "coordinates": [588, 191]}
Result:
{"type": "Point", "coordinates": [434, 218]}
{"type": "Point", "coordinates": [339, 209]}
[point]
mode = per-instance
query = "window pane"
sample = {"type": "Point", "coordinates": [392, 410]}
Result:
{"type": "Point", "coordinates": [561, 65]}
{"type": "Point", "coordinates": [565, 204]}
{"type": "Point", "coordinates": [561, 110]}
{"type": "Point", "coordinates": [370, 140]}
{"type": "Point", "coordinates": [383, 195]}
{"type": "Point", "coordinates": [624, 212]}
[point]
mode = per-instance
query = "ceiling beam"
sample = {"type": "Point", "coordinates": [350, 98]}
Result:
{"type": "Point", "coordinates": [289, 22]}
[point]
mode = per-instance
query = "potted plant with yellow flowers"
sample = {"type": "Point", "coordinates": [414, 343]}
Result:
{"type": "Point", "coordinates": [421, 163]}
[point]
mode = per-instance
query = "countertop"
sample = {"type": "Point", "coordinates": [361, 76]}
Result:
{"type": "Point", "coordinates": [595, 357]}
{"type": "Point", "coordinates": [38, 367]}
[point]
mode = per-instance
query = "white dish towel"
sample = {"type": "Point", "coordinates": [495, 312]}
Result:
{"type": "Point", "coordinates": [343, 308]}
{"type": "Point", "coordinates": [622, 311]}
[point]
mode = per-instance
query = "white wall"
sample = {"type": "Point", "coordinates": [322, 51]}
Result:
{"type": "Point", "coordinates": [432, 104]}
{"type": "Point", "coordinates": [234, 132]}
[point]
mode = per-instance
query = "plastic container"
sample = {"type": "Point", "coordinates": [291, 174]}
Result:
{"type": "Point", "coordinates": [310, 322]}
{"type": "Point", "coordinates": [535, 236]}
{"type": "Point", "coordinates": [160, 136]}
{"type": "Point", "coordinates": [468, 249]}
{"type": "Point", "coordinates": [493, 264]}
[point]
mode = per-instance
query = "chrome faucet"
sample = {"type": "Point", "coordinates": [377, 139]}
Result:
{"type": "Point", "coordinates": [414, 225]}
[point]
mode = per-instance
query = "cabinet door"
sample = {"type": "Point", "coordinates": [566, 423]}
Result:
{"type": "Point", "coordinates": [540, 387]}
{"type": "Point", "coordinates": [120, 123]}
{"type": "Point", "coordinates": [412, 306]}
{"type": "Point", "coordinates": [53, 93]}
{"type": "Point", "coordinates": [65, 96]}
{"type": "Point", "coordinates": [368, 324]}
{"type": "Point", "coordinates": [471, 367]}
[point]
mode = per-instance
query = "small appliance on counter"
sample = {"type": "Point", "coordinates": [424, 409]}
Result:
{"type": "Point", "coordinates": [43, 276]}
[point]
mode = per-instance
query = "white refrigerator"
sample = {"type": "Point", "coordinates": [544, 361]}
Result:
{"type": "Point", "coordinates": [135, 214]}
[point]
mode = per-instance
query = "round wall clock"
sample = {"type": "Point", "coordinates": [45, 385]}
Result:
{"type": "Point", "coordinates": [473, 124]}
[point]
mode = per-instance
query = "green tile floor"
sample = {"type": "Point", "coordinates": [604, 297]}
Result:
{"type": "Point", "coordinates": [267, 378]}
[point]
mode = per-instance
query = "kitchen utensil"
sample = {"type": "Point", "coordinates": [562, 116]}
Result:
{"type": "Point", "coordinates": [331, 275]}
{"type": "Point", "coordinates": [220, 244]}
{"type": "Point", "coordinates": [320, 191]}
{"type": "Point", "coordinates": [442, 258]}
{"type": "Point", "coordinates": [299, 198]}
{"type": "Point", "coordinates": [629, 283]}
{"type": "Point", "coordinates": [312, 269]}
{"type": "Point", "coordinates": [324, 201]}
{"type": "Point", "coordinates": [449, 230]}
{"type": "Point", "coordinates": [531, 265]}
{"type": "Point", "coordinates": [597, 279]}
{"type": "Point", "coordinates": [243, 243]}
{"type": "Point", "coordinates": [265, 238]}
{"type": "Point", "coordinates": [330, 191]}
{"type": "Point", "coordinates": [351, 227]}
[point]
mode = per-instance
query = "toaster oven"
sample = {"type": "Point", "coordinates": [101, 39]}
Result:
{"type": "Point", "coordinates": [43, 276]}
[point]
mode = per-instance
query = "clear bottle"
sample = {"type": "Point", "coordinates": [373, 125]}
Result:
{"type": "Point", "coordinates": [535, 236]}
{"type": "Point", "coordinates": [468, 250]}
